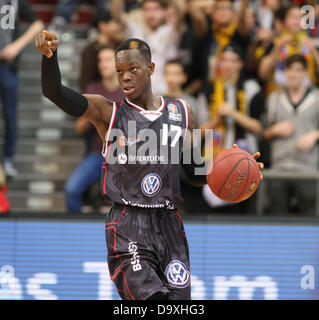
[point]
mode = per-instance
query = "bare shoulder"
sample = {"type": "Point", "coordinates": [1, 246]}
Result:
{"type": "Point", "coordinates": [100, 108]}
{"type": "Point", "coordinates": [190, 114]}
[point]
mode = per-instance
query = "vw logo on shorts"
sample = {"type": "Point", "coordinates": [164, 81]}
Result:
{"type": "Point", "coordinates": [151, 184]}
{"type": "Point", "coordinates": [177, 274]}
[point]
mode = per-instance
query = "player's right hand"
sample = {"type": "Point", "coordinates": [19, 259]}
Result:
{"type": "Point", "coordinates": [46, 42]}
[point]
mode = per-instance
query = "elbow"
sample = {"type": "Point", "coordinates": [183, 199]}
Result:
{"type": "Point", "coordinates": [49, 93]}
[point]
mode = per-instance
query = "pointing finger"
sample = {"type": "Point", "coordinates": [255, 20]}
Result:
{"type": "Point", "coordinates": [49, 35]}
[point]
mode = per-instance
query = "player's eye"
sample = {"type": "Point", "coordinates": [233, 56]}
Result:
{"type": "Point", "coordinates": [133, 69]}
{"type": "Point", "coordinates": [119, 71]}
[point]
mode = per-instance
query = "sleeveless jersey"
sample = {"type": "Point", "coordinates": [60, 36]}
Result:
{"type": "Point", "coordinates": [143, 153]}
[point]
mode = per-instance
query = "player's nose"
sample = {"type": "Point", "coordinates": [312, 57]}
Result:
{"type": "Point", "coordinates": [127, 77]}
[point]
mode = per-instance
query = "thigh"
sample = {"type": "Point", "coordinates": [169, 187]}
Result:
{"type": "Point", "coordinates": [133, 264]}
{"type": "Point", "coordinates": [175, 264]}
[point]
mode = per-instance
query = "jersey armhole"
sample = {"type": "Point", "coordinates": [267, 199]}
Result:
{"type": "Point", "coordinates": [186, 116]}
{"type": "Point", "coordinates": [108, 133]}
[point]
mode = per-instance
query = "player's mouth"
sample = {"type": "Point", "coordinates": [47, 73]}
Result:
{"type": "Point", "coordinates": [128, 90]}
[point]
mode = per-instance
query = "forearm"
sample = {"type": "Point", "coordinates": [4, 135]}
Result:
{"type": "Point", "coordinates": [180, 9]}
{"type": "Point", "coordinates": [242, 25]}
{"type": "Point", "coordinates": [195, 179]}
{"type": "Point", "coordinates": [65, 98]}
{"type": "Point", "coordinates": [316, 58]}
{"type": "Point", "coordinates": [199, 20]}
{"type": "Point", "coordinates": [267, 65]}
{"type": "Point", "coordinates": [29, 34]}
{"type": "Point", "coordinates": [248, 123]}
{"type": "Point", "coordinates": [118, 11]}
{"type": "Point", "coordinates": [269, 133]}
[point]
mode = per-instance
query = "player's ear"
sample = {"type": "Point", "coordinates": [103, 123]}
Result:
{"type": "Point", "coordinates": [151, 68]}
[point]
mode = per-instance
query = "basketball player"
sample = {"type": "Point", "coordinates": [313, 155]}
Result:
{"type": "Point", "coordinates": [148, 254]}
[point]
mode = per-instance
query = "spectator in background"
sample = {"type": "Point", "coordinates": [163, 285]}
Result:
{"type": "Point", "coordinates": [175, 77]}
{"type": "Point", "coordinates": [314, 32]}
{"type": "Point", "coordinates": [293, 132]}
{"type": "Point", "coordinates": [111, 34]}
{"type": "Point", "coordinates": [66, 8]}
{"type": "Point", "coordinates": [89, 170]}
{"type": "Point", "coordinates": [222, 26]}
{"type": "Point", "coordinates": [292, 40]}
{"type": "Point", "coordinates": [11, 45]}
{"type": "Point", "coordinates": [266, 27]}
{"type": "Point", "coordinates": [266, 12]}
{"type": "Point", "coordinates": [229, 100]}
{"type": "Point", "coordinates": [163, 37]}
{"type": "Point", "coordinates": [64, 12]}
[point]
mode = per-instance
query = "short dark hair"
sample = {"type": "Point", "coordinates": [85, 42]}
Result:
{"type": "Point", "coordinates": [235, 48]}
{"type": "Point", "coordinates": [283, 11]}
{"type": "Point", "coordinates": [163, 3]}
{"type": "Point", "coordinates": [175, 61]}
{"type": "Point", "coordinates": [296, 58]}
{"type": "Point", "coordinates": [135, 43]}
{"type": "Point", "coordinates": [101, 16]}
{"type": "Point", "coordinates": [105, 47]}
{"type": "Point", "coordinates": [231, 2]}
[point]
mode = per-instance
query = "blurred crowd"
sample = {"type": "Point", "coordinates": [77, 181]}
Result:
{"type": "Point", "coordinates": [249, 69]}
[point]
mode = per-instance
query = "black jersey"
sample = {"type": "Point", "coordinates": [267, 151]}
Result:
{"type": "Point", "coordinates": [143, 153]}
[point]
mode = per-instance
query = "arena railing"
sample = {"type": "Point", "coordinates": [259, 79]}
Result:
{"type": "Point", "coordinates": [285, 175]}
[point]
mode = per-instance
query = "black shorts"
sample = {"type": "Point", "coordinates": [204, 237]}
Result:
{"type": "Point", "coordinates": [147, 253]}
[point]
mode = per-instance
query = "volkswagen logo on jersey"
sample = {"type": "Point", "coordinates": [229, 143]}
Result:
{"type": "Point", "coordinates": [177, 274]}
{"type": "Point", "coordinates": [151, 184]}
{"type": "Point", "coordinates": [122, 158]}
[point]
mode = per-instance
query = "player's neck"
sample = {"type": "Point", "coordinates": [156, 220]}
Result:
{"type": "Point", "coordinates": [147, 101]}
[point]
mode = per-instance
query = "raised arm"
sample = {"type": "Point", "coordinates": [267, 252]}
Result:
{"type": "Point", "coordinates": [199, 18]}
{"type": "Point", "coordinates": [118, 11]}
{"type": "Point", "coordinates": [94, 108]}
{"type": "Point", "coordinates": [243, 27]}
{"type": "Point", "coordinates": [14, 48]}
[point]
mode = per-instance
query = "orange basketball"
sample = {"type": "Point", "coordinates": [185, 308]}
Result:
{"type": "Point", "coordinates": [233, 175]}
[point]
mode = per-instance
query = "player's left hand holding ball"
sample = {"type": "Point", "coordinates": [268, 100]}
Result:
{"type": "Point", "coordinates": [46, 42]}
{"type": "Point", "coordinates": [255, 156]}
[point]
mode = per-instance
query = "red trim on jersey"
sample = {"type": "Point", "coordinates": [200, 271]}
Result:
{"type": "Point", "coordinates": [105, 147]}
{"type": "Point", "coordinates": [118, 220]}
{"type": "Point", "coordinates": [160, 109]}
{"type": "Point", "coordinates": [186, 112]}
{"type": "Point", "coordinates": [105, 172]}
{"type": "Point", "coordinates": [180, 219]}
{"type": "Point", "coordinates": [118, 270]}
{"type": "Point", "coordinates": [110, 127]}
